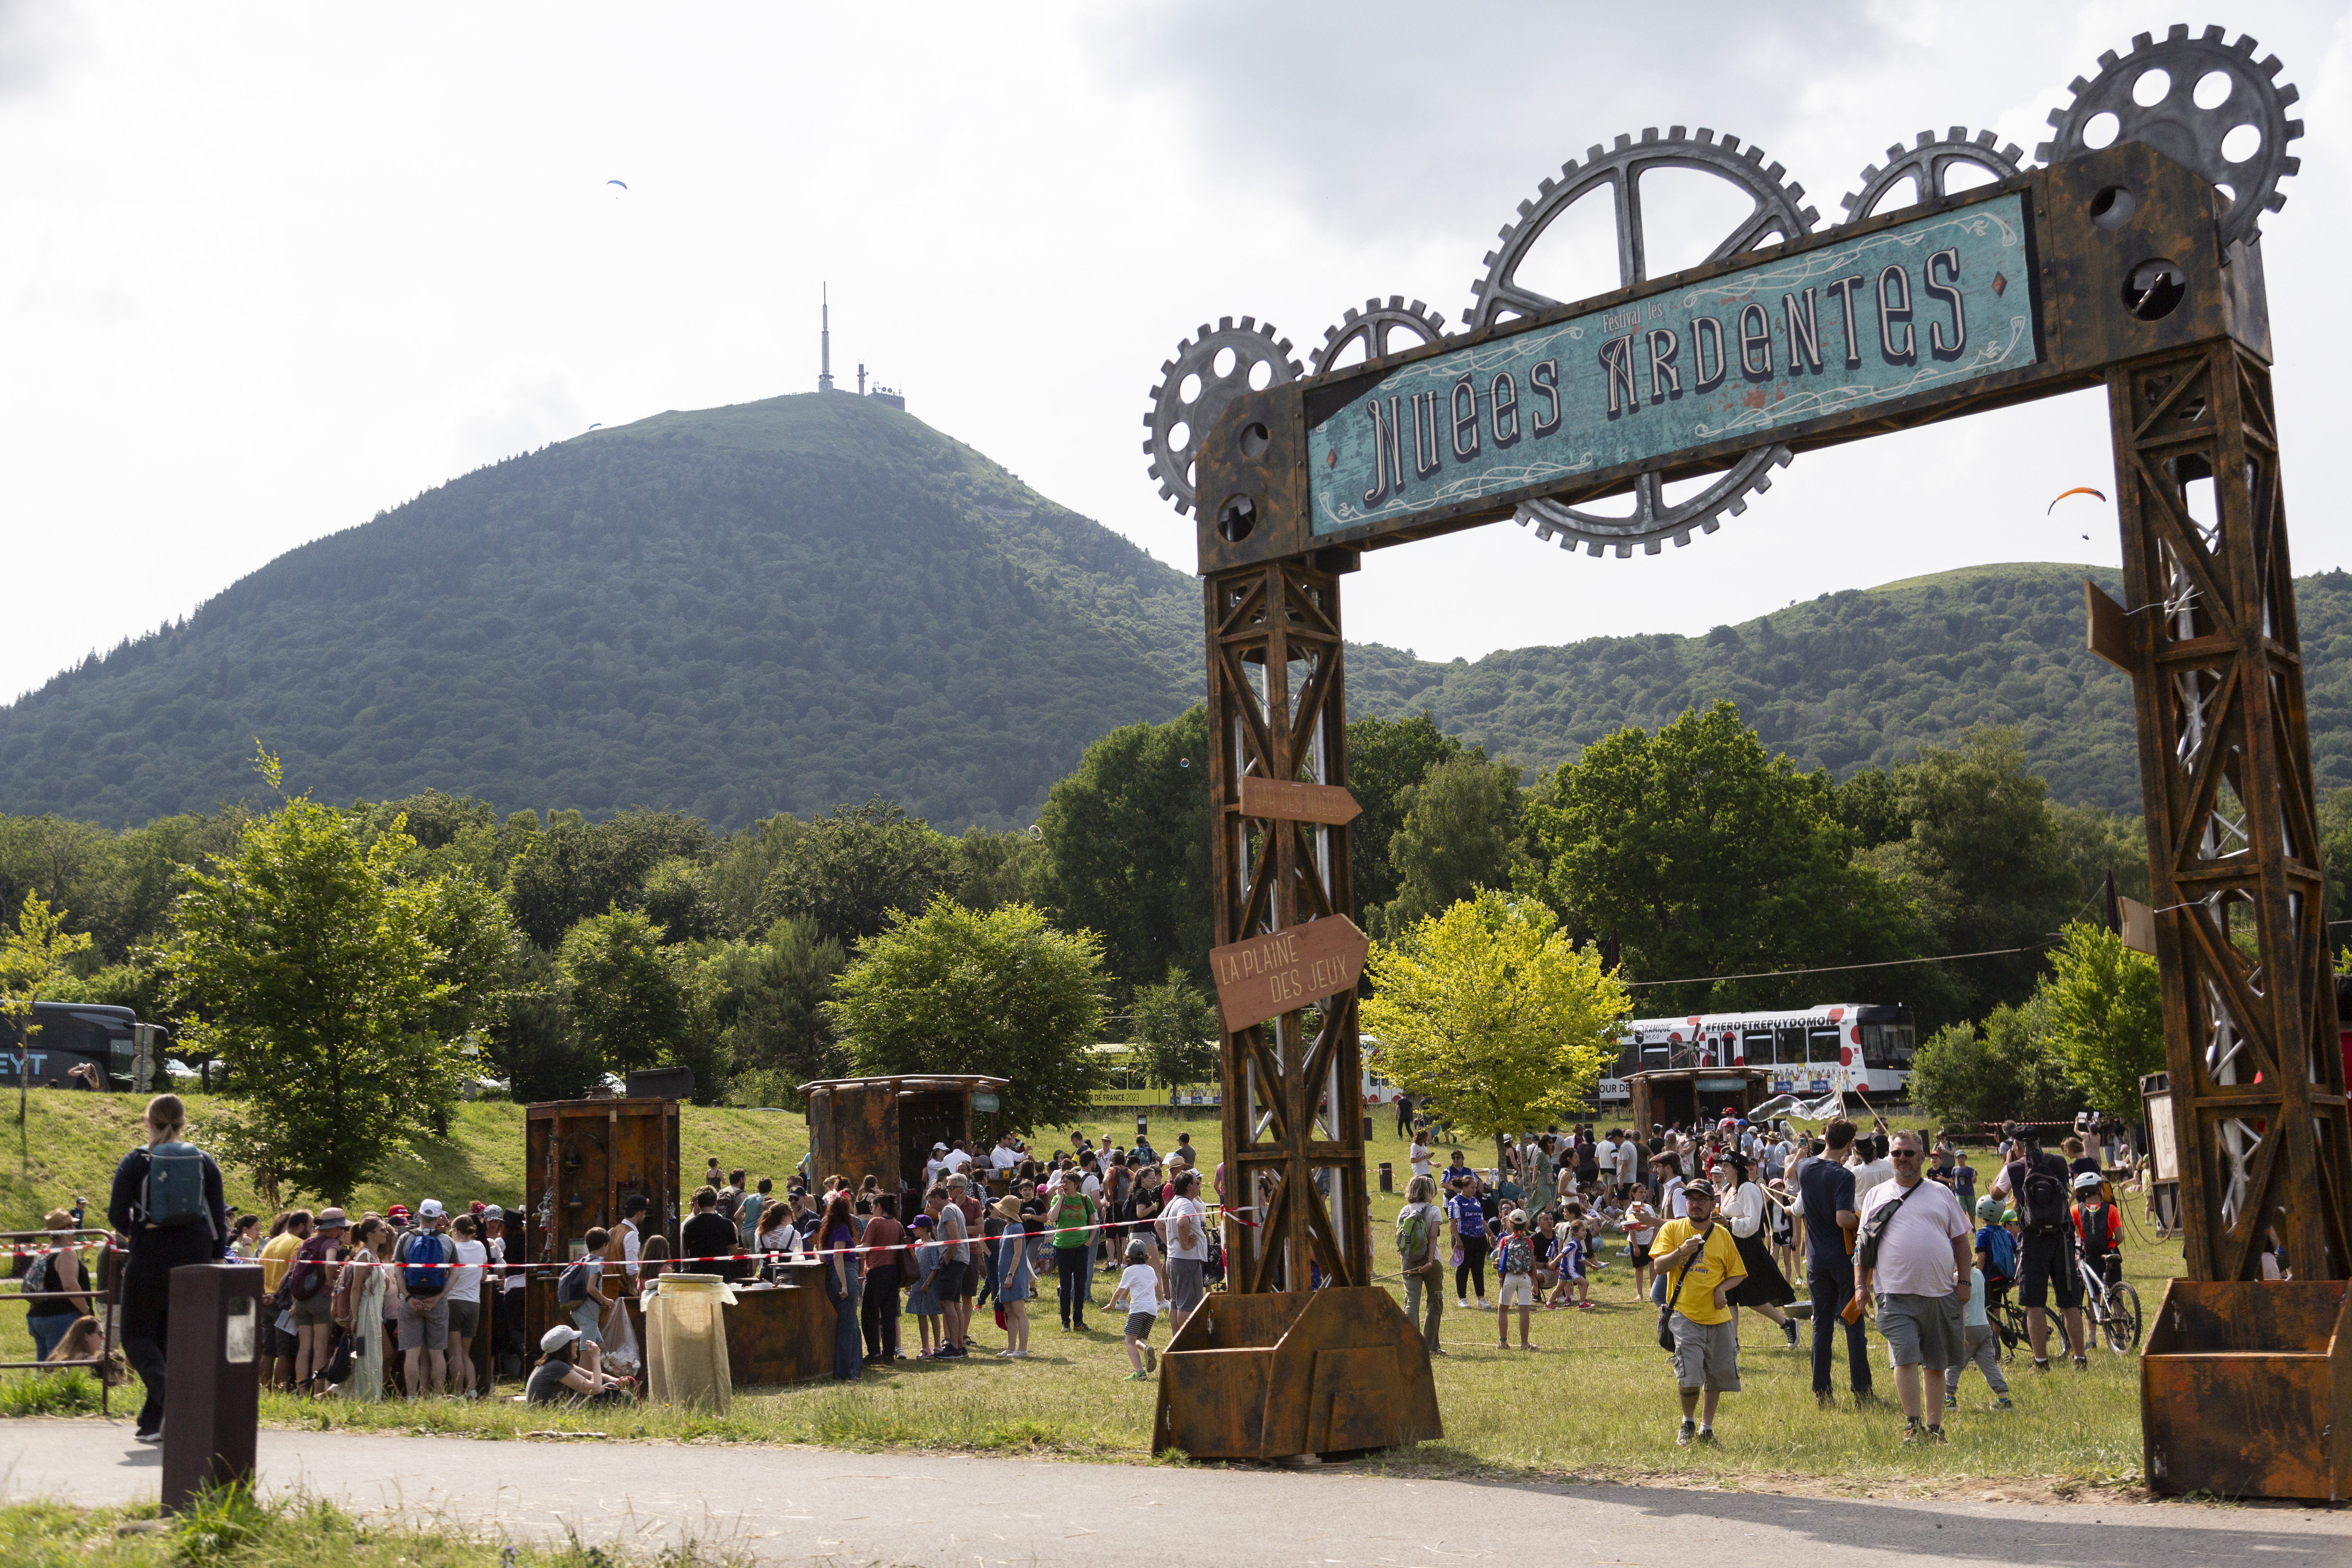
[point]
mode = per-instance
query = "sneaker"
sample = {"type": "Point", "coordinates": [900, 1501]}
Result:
{"type": "Point", "coordinates": [1462, 1303]}
{"type": "Point", "coordinates": [148, 1437]}
{"type": "Point", "coordinates": [1706, 1437]}
{"type": "Point", "coordinates": [1482, 1303]}
{"type": "Point", "coordinates": [1150, 1358]}
{"type": "Point", "coordinates": [2004, 1403]}
{"type": "Point", "coordinates": [1136, 1377]}
{"type": "Point", "coordinates": [1914, 1433]}
{"type": "Point", "coordinates": [1790, 1328]}
{"type": "Point", "coordinates": [1935, 1433]}
{"type": "Point", "coordinates": [1685, 1432]}
{"type": "Point", "coordinates": [1951, 1402]}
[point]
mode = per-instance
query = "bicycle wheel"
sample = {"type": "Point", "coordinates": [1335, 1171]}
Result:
{"type": "Point", "coordinates": [2122, 1319]}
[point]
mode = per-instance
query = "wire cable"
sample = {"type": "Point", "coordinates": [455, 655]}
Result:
{"type": "Point", "coordinates": [1841, 968]}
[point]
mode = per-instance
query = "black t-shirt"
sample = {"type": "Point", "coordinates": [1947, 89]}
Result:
{"type": "Point", "coordinates": [546, 1384]}
{"type": "Point", "coordinates": [2087, 1162]}
{"type": "Point", "coordinates": [1823, 1188]}
{"type": "Point", "coordinates": [709, 1234]}
{"type": "Point", "coordinates": [2015, 1173]}
{"type": "Point", "coordinates": [64, 1274]}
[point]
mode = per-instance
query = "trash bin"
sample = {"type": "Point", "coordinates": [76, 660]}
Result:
{"type": "Point", "coordinates": [1388, 1177]}
{"type": "Point", "coordinates": [686, 1342]}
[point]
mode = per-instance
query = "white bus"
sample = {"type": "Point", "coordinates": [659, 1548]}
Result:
{"type": "Point", "coordinates": [1843, 1045]}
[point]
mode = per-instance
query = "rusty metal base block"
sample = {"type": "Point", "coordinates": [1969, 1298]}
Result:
{"type": "Point", "coordinates": [2243, 1387]}
{"type": "Point", "coordinates": [1280, 1374]}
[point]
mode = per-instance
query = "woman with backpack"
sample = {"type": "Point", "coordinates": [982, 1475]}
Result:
{"type": "Point", "coordinates": [167, 1201]}
{"type": "Point", "coordinates": [51, 1269]}
{"type": "Point", "coordinates": [1073, 1217]}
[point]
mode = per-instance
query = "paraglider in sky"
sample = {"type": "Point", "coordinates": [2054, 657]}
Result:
{"type": "Point", "coordinates": [2077, 491]}
{"type": "Point", "coordinates": [623, 183]}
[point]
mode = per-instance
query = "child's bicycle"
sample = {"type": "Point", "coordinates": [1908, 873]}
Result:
{"type": "Point", "coordinates": [2112, 1311]}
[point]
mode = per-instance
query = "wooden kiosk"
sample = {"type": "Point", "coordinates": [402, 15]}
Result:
{"type": "Point", "coordinates": [1683, 1096]}
{"type": "Point", "coordinates": [885, 1127]}
{"type": "Point", "coordinates": [583, 1158]}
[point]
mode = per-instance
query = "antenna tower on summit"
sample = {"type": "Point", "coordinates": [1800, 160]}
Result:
{"type": "Point", "coordinates": [825, 339]}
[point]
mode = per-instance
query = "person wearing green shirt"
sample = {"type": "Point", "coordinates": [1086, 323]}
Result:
{"type": "Point", "coordinates": [1700, 1264]}
{"type": "Point", "coordinates": [1071, 1215]}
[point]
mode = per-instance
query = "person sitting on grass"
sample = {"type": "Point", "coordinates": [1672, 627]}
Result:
{"type": "Point", "coordinates": [1139, 1289]}
{"type": "Point", "coordinates": [84, 1340]}
{"type": "Point", "coordinates": [560, 1379]}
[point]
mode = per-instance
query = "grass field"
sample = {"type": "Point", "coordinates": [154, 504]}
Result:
{"type": "Point", "coordinates": [1594, 1400]}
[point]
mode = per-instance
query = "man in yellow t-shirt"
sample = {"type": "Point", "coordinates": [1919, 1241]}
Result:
{"type": "Point", "coordinates": [276, 1252]}
{"type": "Point", "coordinates": [1706, 1350]}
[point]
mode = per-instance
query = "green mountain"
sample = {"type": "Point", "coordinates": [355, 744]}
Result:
{"type": "Point", "coordinates": [778, 605]}
{"type": "Point", "coordinates": [786, 604]}
{"type": "Point", "coordinates": [1861, 678]}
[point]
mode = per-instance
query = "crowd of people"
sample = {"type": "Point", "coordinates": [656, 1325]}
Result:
{"type": "Point", "coordinates": [1714, 1222]}
{"type": "Point", "coordinates": [1883, 1225]}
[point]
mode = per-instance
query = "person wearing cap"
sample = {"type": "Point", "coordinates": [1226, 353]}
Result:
{"type": "Point", "coordinates": [558, 1373]}
{"type": "Point", "coordinates": [310, 1289]}
{"type": "Point", "coordinates": [1700, 1264]}
{"type": "Point", "coordinates": [422, 1282]}
{"type": "Point", "coordinates": [935, 1169]}
{"type": "Point", "coordinates": [1515, 1279]}
{"type": "Point", "coordinates": [1913, 1260]}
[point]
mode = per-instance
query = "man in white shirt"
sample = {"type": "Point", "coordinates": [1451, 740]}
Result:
{"type": "Point", "coordinates": [1920, 1277]}
{"type": "Point", "coordinates": [1871, 1172]}
{"type": "Point", "coordinates": [1666, 1176]}
{"type": "Point", "coordinates": [1606, 1153]}
{"type": "Point", "coordinates": [633, 1220]}
{"type": "Point", "coordinates": [1629, 1164]}
{"type": "Point", "coordinates": [1002, 1157]}
{"type": "Point", "coordinates": [958, 1160]}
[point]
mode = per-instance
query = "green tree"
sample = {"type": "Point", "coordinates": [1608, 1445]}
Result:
{"type": "Point", "coordinates": [532, 1042]}
{"type": "Point", "coordinates": [1486, 1011]}
{"type": "Point", "coordinates": [856, 865]}
{"type": "Point", "coordinates": [1464, 828]}
{"type": "Point", "coordinates": [986, 869]}
{"type": "Point", "coordinates": [740, 871]}
{"type": "Point", "coordinates": [1174, 1028]}
{"type": "Point", "coordinates": [1706, 855]}
{"type": "Point", "coordinates": [575, 870]}
{"type": "Point", "coordinates": [999, 991]}
{"type": "Point", "coordinates": [1126, 848]}
{"type": "Point", "coordinates": [2093, 842]}
{"type": "Point", "coordinates": [32, 960]}
{"type": "Point", "coordinates": [2105, 1013]}
{"type": "Point", "coordinates": [1386, 757]}
{"type": "Point", "coordinates": [342, 996]}
{"type": "Point", "coordinates": [1970, 1077]}
{"type": "Point", "coordinates": [772, 995]}
{"type": "Point", "coordinates": [625, 993]}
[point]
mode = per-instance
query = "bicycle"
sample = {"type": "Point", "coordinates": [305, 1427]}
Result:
{"type": "Point", "coordinates": [2113, 1309]}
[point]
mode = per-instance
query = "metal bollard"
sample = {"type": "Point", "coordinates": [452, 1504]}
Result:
{"type": "Point", "coordinates": [212, 1401]}
{"type": "Point", "coordinates": [1388, 1177]}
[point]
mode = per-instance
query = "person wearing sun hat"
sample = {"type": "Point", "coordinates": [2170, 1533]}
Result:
{"type": "Point", "coordinates": [1016, 1278]}
{"type": "Point", "coordinates": [309, 1283]}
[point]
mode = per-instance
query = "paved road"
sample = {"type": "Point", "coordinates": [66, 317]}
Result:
{"type": "Point", "coordinates": [813, 1505]}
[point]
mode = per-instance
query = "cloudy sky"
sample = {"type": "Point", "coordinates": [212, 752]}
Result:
{"type": "Point", "coordinates": [270, 270]}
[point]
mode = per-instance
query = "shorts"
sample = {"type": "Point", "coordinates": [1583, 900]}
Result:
{"type": "Point", "coordinates": [2046, 1264]}
{"type": "Point", "coordinates": [588, 1317]}
{"type": "Point", "coordinates": [465, 1318]}
{"type": "Point", "coordinates": [1139, 1325]}
{"type": "Point", "coordinates": [1923, 1330]}
{"type": "Point", "coordinates": [1517, 1290]}
{"type": "Point", "coordinates": [951, 1279]}
{"type": "Point", "coordinates": [314, 1311]}
{"type": "Point", "coordinates": [1707, 1355]}
{"type": "Point", "coordinates": [425, 1330]}
{"type": "Point", "coordinates": [1637, 1253]}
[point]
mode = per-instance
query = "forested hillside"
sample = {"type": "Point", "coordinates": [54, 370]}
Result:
{"type": "Point", "coordinates": [775, 606]}
{"type": "Point", "coordinates": [1861, 680]}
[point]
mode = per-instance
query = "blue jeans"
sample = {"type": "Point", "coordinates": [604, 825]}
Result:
{"type": "Point", "coordinates": [848, 1344]}
{"type": "Point", "coordinates": [1831, 1285]}
{"type": "Point", "coordinates": [48, 1331]}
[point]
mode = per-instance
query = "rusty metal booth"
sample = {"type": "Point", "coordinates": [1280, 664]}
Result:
{"type": "Point", "coordinates": [885, 1127]}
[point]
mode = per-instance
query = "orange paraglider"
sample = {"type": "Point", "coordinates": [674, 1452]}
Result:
{"type": "Point", "coordinates": [2077, 491]}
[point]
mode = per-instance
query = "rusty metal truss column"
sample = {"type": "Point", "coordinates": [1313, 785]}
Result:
{"type": "Point", "coordinates": [2234, 848]}
{"type": "Point", "coordinates": [1293, 1108]}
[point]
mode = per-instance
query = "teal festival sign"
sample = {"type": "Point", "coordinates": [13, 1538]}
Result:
{"type": "Point", "coordinates": [1889, 315]}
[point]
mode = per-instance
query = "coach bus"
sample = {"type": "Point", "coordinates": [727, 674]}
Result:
{"type": "Point", "coordinates": [1850, 1047]}
{"type": "Point", "coordinates": [43, 1049]}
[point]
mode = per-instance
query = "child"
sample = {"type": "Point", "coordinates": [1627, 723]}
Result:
{"type": "Point", "coordinates": [1546, 1242]}
{"type": "Point", "coordinates": [1139, 1289]}
{"type": "Point", "coordinates": [1641, 1227]}
{"type": "Point", "coordinates": [1983, 1347]}
{"type": "Point", "coordinates": [1515, 1268]}
{"type": "Point", "coordinates": [1575, 1247]}
{"type": "Point", "coordinates": [923, 1297]}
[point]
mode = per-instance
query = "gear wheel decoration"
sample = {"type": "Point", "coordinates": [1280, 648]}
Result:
{"type": "Point", "coordinates": [2189, 132]}
{"type": "Point", "coordinates": [1178, 421]}
{"type": "Point", "coordinates": [1928, 164]}
{"type": "Point", "coordinates": [1375, 326]}
{"type": "Point", "coordinates": [1776, 216]}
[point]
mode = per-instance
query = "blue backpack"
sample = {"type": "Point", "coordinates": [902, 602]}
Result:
{"type": "Point", "coordinates": [2000, 1252]}
{"type": "Point", "coordinates": [175, 1193]}
{"type": "Point", "coordinates": [422, 1261]}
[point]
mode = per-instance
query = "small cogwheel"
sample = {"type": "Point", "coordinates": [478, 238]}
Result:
{"type": "Point", "coordinates": [1194, 390]}
{"type": "Point", "coordinates": [1927, 166]}
{"type": "Point", "coordinates": [2203, 103]}
{"type": "Point", "coordinates": [1374, 326]}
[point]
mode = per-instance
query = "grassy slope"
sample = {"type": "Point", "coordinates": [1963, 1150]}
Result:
{"type": "Point", "coordinates": [1593, 1402]}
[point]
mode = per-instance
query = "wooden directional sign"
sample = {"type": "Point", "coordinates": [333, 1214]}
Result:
{"type": "Point", "coordinates": [1298, 802]}
{"type": "Point", "coordinates": [1286, 970]}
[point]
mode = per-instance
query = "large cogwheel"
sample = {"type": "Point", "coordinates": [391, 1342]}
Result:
{"type": "Point", "coordinates": [1926, 166]}
{"type": "Point", "coordinates": [1775, 216]}
{"type": "Point", "coordinates": [2203, 103]}
{"type": "Point", "coordinates": [1209, 370]}
{"type": "Point", "coordinates": [1375, 326]}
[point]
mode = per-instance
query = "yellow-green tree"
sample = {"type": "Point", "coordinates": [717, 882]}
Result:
{"type": "Point", "coordinates": [2106, 1014]}
{"type": "Point", "coordinates": [1486, 1010]}
{"type": "Point", "coordinates": [31, 958]}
